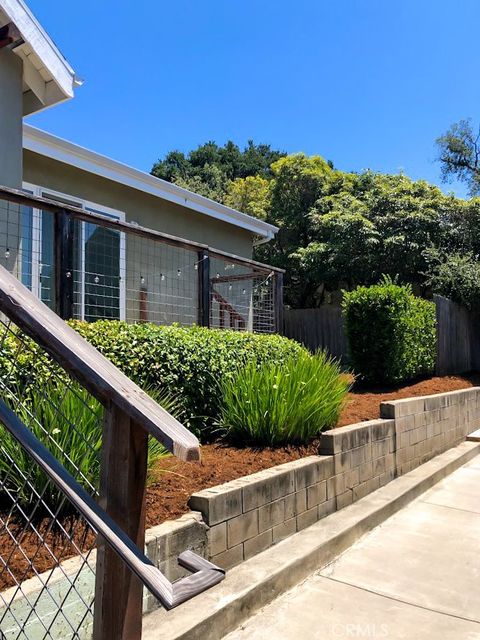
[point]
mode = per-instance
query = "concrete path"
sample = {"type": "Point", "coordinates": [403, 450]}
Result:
{"type": "Point", "coordinates": [416, 576]}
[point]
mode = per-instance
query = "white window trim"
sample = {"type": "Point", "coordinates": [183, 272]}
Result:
{"type": "Point", "coordinates": [83, 204]}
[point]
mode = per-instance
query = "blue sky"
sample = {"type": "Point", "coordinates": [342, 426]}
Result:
{"type": "Point", "coordinates": [365, 83]}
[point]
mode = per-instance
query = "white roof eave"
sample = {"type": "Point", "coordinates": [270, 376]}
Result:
{"type": "Point", "coordinates": [33, 34]}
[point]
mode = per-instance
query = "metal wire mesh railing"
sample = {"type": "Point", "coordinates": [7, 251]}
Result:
{"type": "Point", "coordinates": [87, 266]}
{"type": "Point", "coordinates": [74, 428]}
{"type": "Point", "coordinates": [42, 595]}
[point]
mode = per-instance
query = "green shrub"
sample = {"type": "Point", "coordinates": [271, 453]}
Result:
{"type": "Point", "coordinates": [68, 421]}
{"type": "Point", "coordinates": [187, 362]}
{"type": "Point", "coordinates": [283, 403]}
{"type": "Point", "coordinates": [391, 333]}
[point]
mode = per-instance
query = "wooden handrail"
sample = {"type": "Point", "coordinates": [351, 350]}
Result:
{"type": "Point", "coordinates": [90, 368]}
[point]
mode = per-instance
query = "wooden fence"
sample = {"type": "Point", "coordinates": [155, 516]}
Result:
{"type": "Point", "coordinates": [458, 334]}
{"type": "Point", "coordinates": [458, 338]}
{"type": "Point", "coordinates": [320, 328]}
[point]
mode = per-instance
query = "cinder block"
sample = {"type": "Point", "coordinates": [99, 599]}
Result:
{"type": "Point", "coordinates": [366, 471]}
{"type": "Point", "coordinates": [352, 478]}
{"type": "Point", "coordinates": [326, 508]}
{"type": "Point", "coordinates": [259, 543]}
{"type": "Point", "coordinates": [344, 438]}
{"type": "Point", "coordinates": [217, 539]}
{"type": "Point", "coordinates": [267, 487]}
{"type": "Point", "coordinates": [318, 468]}
{"type": "Point", "coordinates": [229, 558]}
{"type": "Point", "coordinates": [380, 448]}
{"type": "Point", "coordinates": [242, 528]}
{"type": "Point", "coordinates": [316, 494]}
{"type": "Point", "coordinates": [381, 429]}
{"type": "Point", "coordinates": [271, 514]}
{"type": "Point", "coordinates": [379, 466]}
{"type": "Point", "coordinates": [217, 504]}
{"type": "Point", "coordinates": [420, 419]}
{"type": "Point", "coordinates": [300, 501]}
{"type": "Point", "coordinates": [307, 518]}
{"type": "Point", "coordinates": [344, 499]}
{"type": "Point", "coordinates": [290, 506]}
{"type": "Point", "coordinates": [406, 423]}
{"type": "Point", "coordinates": [403, 440]}
{"type": "Point", "coordinates": [284, 530]}
{"type": "Point", "coordinates": [387, 477]}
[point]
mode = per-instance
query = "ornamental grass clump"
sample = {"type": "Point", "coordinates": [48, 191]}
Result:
{"type": "Point", "coordinates": [68, 422]}
{"type": "Point", "coordinates": [277, 404]}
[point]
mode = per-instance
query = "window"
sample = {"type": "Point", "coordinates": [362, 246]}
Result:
{"type": "Point", "coordinates": [99, 258]}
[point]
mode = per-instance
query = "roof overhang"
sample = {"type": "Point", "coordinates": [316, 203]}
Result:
{"type": "Point", "coordinates": [46, 144]}
{"type": "Point", "coordinates": [47, 77]}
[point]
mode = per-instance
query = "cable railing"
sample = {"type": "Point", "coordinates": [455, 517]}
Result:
{"type": "Point", "coordinates": [76, 436]}
{"type": "Point", "coordinates": [89, 266]}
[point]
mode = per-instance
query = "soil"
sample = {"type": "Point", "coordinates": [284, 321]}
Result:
{"type": "Point", "coordinates": [172, 481]}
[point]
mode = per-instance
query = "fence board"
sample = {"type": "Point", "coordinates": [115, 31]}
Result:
{"type": "Point", "coordinates": [320, 328]}
{"type": "Point", "coordinates": [458, 338]}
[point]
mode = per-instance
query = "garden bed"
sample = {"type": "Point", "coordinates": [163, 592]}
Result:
{"type": "Point", "coordinates": [173, 482]}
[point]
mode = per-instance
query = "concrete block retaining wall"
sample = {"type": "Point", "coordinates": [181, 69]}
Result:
{"type": "Point", "coordinates": [248, 515]}
{"type": "Point", "coordinates": [234, 521]}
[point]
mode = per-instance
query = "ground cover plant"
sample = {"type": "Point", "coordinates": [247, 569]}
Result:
{"type": "Point", "coordinates": [278, 404]}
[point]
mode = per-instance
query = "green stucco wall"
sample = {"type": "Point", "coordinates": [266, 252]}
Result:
{"type": "Point", "coordinates": [147, 210]}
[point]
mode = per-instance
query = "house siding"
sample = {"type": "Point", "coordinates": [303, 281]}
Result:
{"type": "Point", "coordinates": [11, 113]}
{"type": "Point", "coordinates": [145, 209]}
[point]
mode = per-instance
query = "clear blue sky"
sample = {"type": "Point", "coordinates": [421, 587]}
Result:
{"type": "Point", "coordinates": [365, 83]}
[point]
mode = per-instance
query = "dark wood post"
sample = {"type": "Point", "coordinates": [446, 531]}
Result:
{"type": "Point", "coordinates": [118, 592]}
{"type": "Point", "coordinates": [63, 238]}
{"type": "Point", "coordinates": [203, 288]}
{"type": "Point", "coordinates": [278, 301]}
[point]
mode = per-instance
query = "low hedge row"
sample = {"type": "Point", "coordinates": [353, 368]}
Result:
{"type": "Point", "coordinates": [391, 333]}
{"type": "Point", "coordinates": [189, 362]}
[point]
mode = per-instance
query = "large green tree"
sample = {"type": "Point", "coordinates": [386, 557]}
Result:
{"type": "Point", "coordinates": [209, 169]}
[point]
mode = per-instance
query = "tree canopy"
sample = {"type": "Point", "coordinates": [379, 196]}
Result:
{"type": "Point", "coordinates": [209, 169]}
{"type": "Point", "coordinates": [340, 229]}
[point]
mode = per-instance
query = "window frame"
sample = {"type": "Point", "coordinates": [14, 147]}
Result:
{"type": "Point", "coordinates": [87, 205]}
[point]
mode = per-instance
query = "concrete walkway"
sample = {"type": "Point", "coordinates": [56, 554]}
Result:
{"type": "Point", "coordinates": [416, 576]}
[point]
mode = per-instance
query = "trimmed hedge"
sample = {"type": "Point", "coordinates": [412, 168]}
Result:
{"type": "Point", "coordinates": [189, 362]}
{"type": "Point", "coordinates": [391, 333]}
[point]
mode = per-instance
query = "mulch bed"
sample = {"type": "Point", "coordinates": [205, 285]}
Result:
{"type": "Point", "coordinates": [172, 481]}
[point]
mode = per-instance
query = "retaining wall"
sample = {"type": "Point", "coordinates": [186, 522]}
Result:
{"type": "Point", "coordinates": [234, 521]}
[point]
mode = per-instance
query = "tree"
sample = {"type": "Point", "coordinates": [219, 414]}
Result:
{"type": "Point", "coordinates": [459, 155]}
{"type": "Point", "coordinates": [250, 195]}
{"type": "Point", "coordinates": [209, 169]}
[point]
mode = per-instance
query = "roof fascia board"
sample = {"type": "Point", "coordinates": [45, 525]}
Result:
{"type": "Point", "coordinates": [63, 151]}
{"type": "Point", "coordinates": [41, 43]}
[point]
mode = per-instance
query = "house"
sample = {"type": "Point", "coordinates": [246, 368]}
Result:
{"type": "Point", "coordinates": [113, 274]}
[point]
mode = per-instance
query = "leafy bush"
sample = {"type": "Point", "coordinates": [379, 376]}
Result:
{"type": "Point", "coordinates": [187, 362]}
{"type": "Point", "coordinates": [391, 333]}
{"type": "Point", "coordinates": [68, 421]}
{"type": "Point", "coordinates": [283, 403]}
{"type": "Point", "coordinates": [457, 277]}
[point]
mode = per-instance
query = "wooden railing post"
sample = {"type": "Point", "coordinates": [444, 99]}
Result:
{"type": "Point", "coordinates": [63, 272]}
{"type": "Point", "coordinates": [118, 592]}
{"type": "Point", "coordinates": [203, 288]}
{"type": "Point", "coordinates": [278, 301]}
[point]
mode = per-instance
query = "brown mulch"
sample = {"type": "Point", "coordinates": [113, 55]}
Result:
{"type": "Point", "coordinates": [172, 481]}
